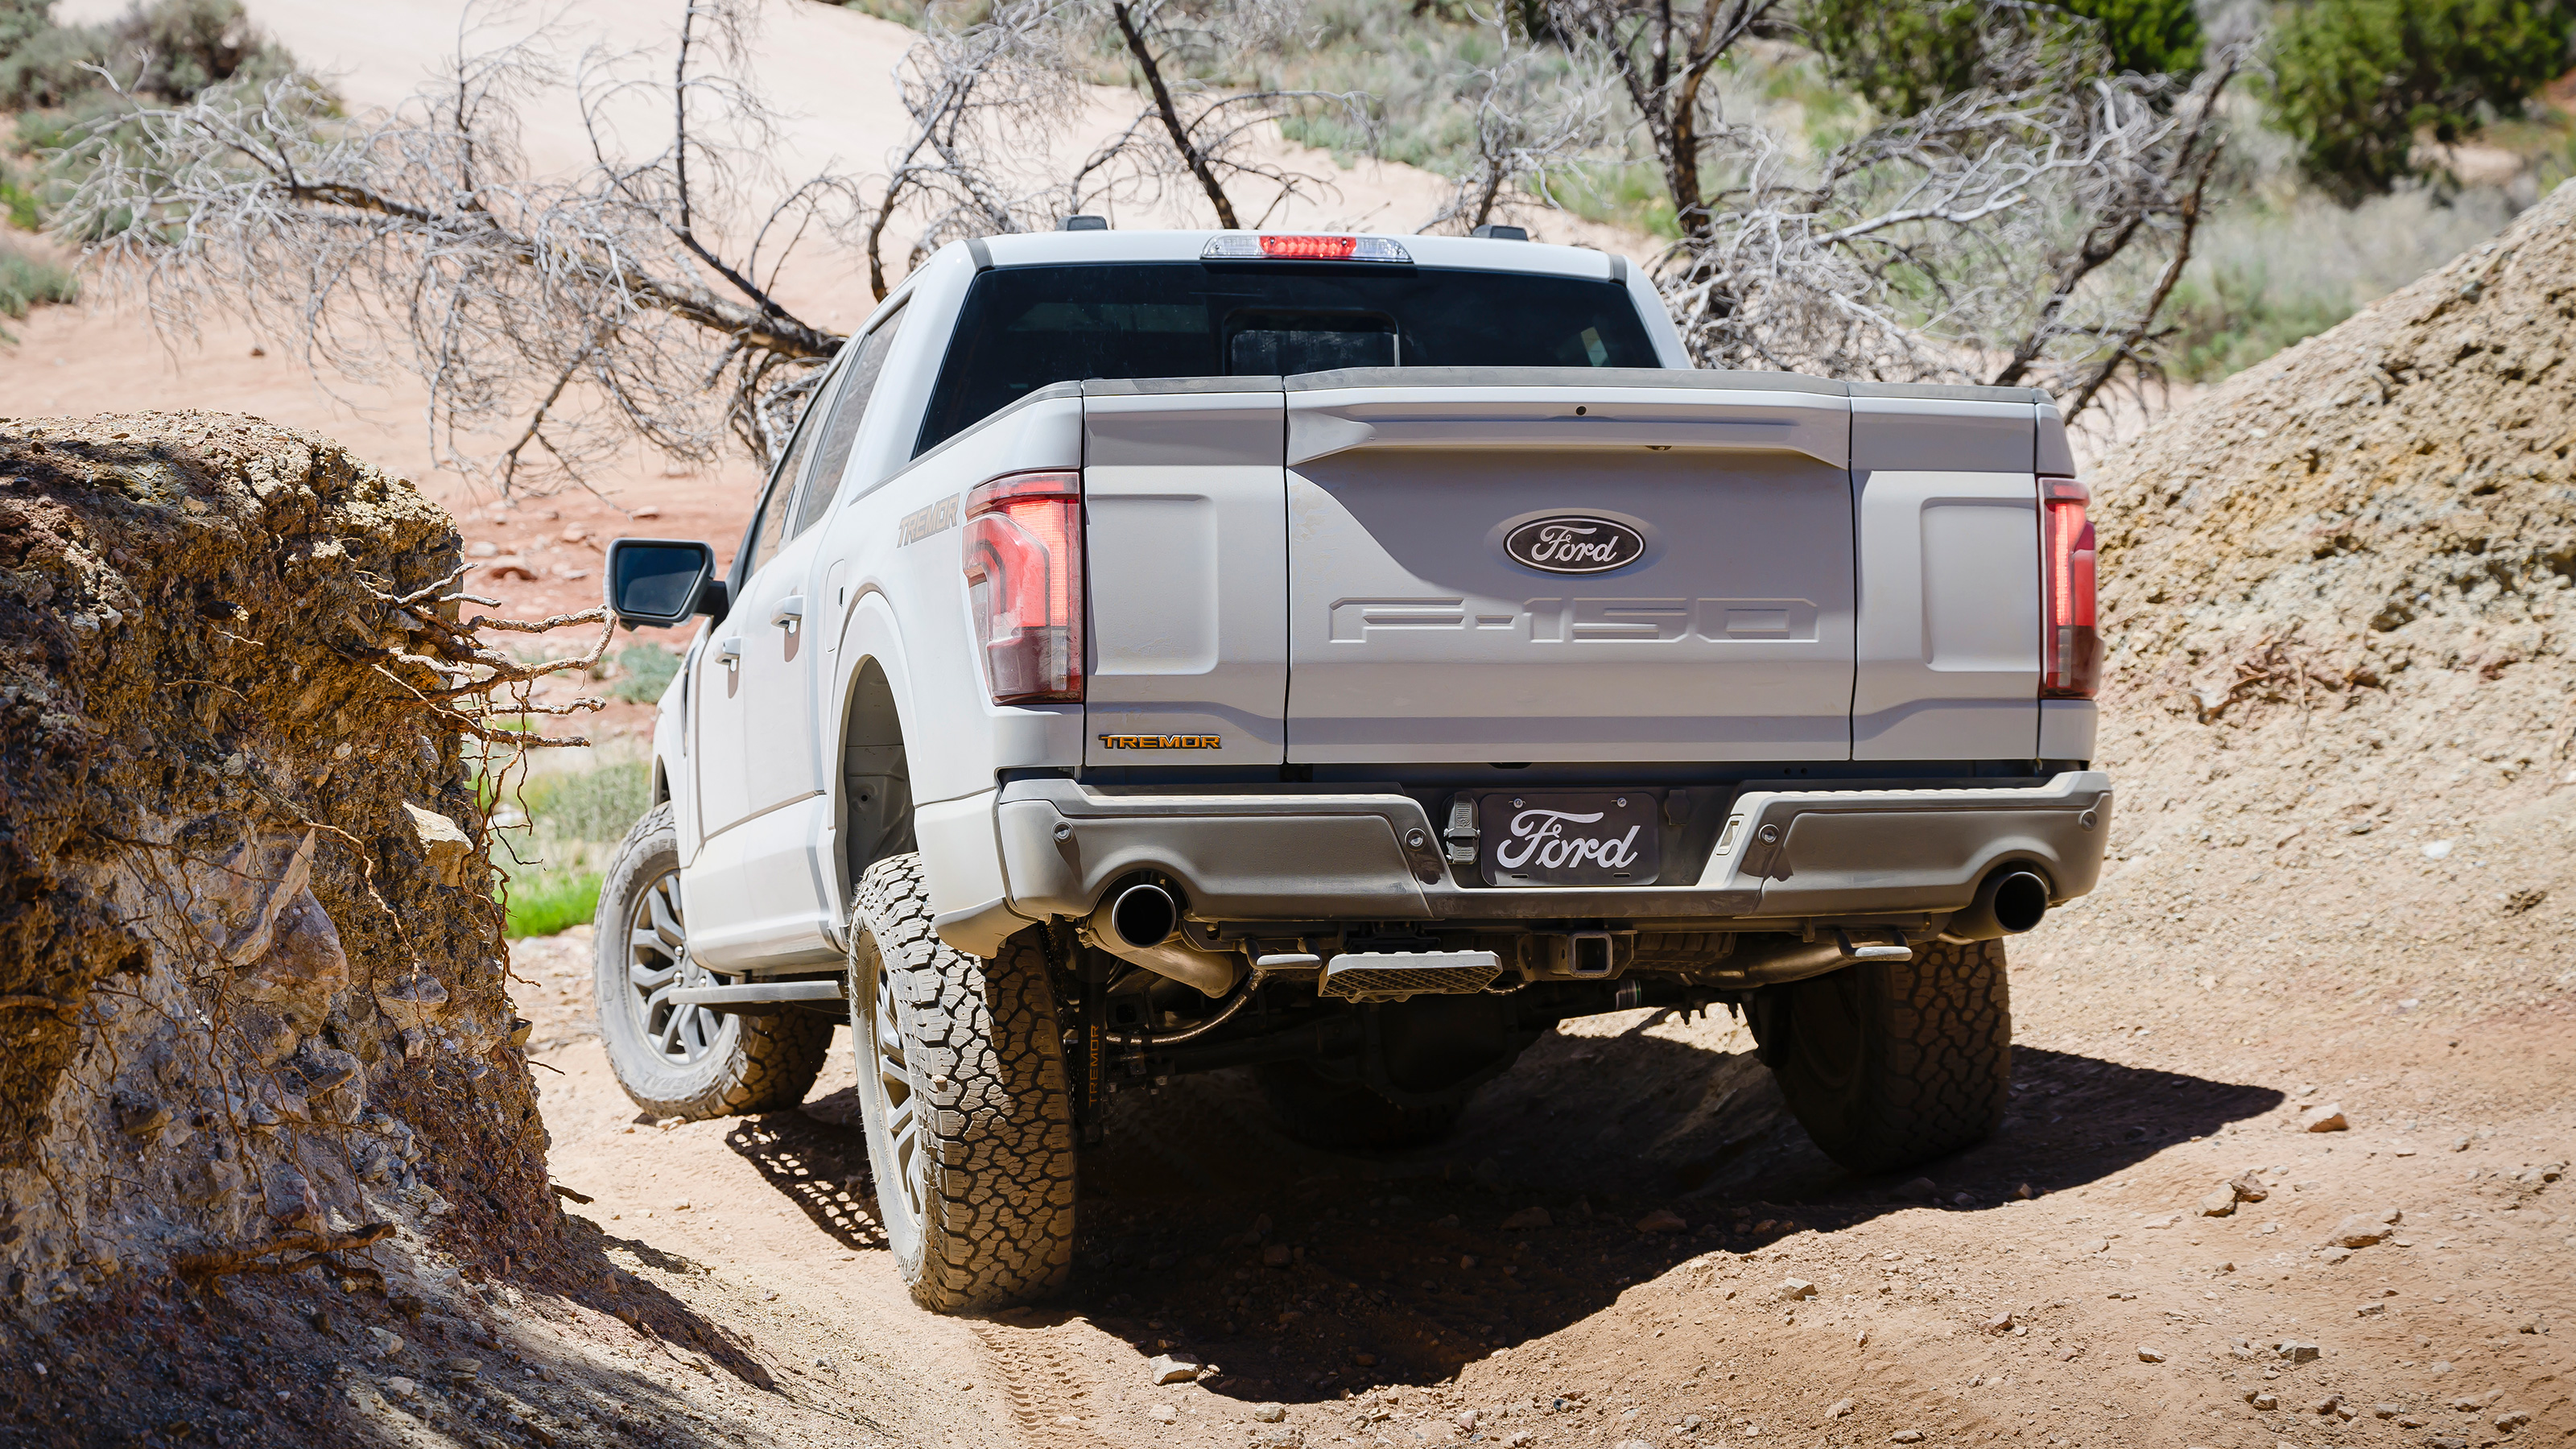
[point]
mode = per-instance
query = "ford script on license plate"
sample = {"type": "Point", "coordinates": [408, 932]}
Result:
{"type": "Point", "coordinates": [1568, 838]}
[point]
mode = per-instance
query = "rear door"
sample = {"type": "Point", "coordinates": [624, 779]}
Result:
{"type": "Point", "coordinates": [1490, 568]}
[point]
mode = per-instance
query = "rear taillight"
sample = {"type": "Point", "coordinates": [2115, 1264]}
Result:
{"type": "Point", "coordinates": [2070, 662]}
{"type": "Point", "coordinates": [1023, 547]}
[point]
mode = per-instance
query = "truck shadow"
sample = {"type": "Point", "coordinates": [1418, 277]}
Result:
{"type": "Point", "coordinates": [1302, 1272]}
{"type": "Point", "coordinates": [1639, 1151]}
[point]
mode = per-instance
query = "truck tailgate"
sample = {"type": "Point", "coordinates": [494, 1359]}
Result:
{"type": "Point", "coordinates": [1479, 571]}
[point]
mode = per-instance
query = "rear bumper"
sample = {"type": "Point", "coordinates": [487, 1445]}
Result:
{"type": "Point", "coordinates": [1782, 856]}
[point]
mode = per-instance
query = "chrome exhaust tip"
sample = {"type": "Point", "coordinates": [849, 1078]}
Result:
{"type": "Point", "coordinates": [2008, 903]}
{"type": "Point", "coordinates": [1144, 915]}
{"type": "Point", "coordinates": [1142, 924]}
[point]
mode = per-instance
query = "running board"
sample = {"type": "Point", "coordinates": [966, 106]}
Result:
{"type": "Point", "coordinates": [765, 993]}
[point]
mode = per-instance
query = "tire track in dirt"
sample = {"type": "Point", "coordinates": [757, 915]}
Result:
{"type": "Point", "coordinates": [1042, 1383]}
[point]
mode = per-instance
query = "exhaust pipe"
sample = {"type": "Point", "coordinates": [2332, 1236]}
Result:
{"type": "Point", "coordinates": [1142, 924]}
{"type": "Point", "coordinates": [2007, 904]}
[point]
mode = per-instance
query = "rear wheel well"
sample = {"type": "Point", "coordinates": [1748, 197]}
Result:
{"type": "Point", "coordinates": [876, 781]}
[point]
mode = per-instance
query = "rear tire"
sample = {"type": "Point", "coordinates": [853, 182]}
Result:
{"type": "Point", "coordinates": [1888, 1065]}
{"type": "Point", "coordinates": [1315, 1109]}
{"type": "Point", "coordinates": [963, 1089]}
{"type": "Point", "coordinates": [692, 1062]}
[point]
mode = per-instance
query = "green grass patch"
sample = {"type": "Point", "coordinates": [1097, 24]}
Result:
{"type": "Point", "coordinates": [28, 279]}
{"type": "Point", "coordinates": [643, 671]}
{"type": "Point", "coordinates": [549, 901]}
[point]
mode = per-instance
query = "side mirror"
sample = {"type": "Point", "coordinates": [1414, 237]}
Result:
{"type": "Point", "coordinates": [658, 583]}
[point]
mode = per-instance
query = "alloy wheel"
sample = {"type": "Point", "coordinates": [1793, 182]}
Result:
{"type": "Point", "coordinates": [658, 964]}
{"type": "Point", "coordinates": [894, 1091]}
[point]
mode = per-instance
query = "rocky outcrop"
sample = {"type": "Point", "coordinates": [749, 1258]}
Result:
{"type": "Point", "coordinates": [250, 965]}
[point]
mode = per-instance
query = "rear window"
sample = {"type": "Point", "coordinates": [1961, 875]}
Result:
{"type": "Point", "coordinates": [1024, 328]}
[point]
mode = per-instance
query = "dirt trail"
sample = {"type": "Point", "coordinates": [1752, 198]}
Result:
{"type": "Point", "coordinates": [1407, 1304]}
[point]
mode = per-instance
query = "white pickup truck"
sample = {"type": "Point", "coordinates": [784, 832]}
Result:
{"type": "Point", "coordinates": [1342, 658]}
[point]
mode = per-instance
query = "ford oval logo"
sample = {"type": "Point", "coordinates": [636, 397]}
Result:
{"type": "Point", "coordinates": [1574, 544]}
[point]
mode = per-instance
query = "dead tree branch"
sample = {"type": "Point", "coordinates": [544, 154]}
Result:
{"type": "Point", "coordinates": [597, 310]}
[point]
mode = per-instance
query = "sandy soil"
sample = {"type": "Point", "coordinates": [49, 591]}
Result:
{"type": "Point", "coordinates": [2057, 1285]}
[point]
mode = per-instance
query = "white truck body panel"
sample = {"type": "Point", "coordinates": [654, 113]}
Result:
{"type": "Point", "coordinates": [1309, 572]}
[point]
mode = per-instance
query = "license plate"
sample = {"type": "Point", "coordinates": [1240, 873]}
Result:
{"type": "Point", "coordinates": [1568, 837]}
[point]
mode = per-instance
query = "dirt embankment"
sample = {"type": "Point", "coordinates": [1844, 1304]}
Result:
{"type": "Point", "coordinates": [2337, 597]}
{"type": "Point", "coordinates": [252, 973]}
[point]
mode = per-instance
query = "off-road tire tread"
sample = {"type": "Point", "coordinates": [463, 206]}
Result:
{"type": "Point", "coordinates": [1940, 1032]}
{"type": "Point", "coordinates": [999, 1209]}
{"type": "Point", "coordinates": [774, 1059]}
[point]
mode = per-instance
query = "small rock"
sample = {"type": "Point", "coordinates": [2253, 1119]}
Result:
{"type": "Point", "coordinates": [1690, 1423]}
{"type": "Point", "coordinates": [2512, 1419]}
{"type": "Point", "coordinates": [1839, 1409]}
{"type": "Point", "coordinates": [1269, 1413]}
{"type": "Point", "coordinates": [2326, 1118]}
{"type": "Point", "coordinates": [2446, 1441]}
{"type": "Point", "coordinates": [443, 841]}
{"type": "Point", "coordinates": [1275, 1255]}
{"type": "Point", "coordinates": [1167, 1368]}
{"type": "Point", "coordinates": [1794, 1289]}
{"type": "Point", "coordinates": [1529, 1217]}
{"type": "Point", "coordinates": [1162, 1413]}
{"type": "Point", "coordinates": [1466, 1421]}
{"type": "Point", "coordinates": [2297, 1352]}
{"type": "Point", "coordinates": [1662, 1220]}
{"type": "Point", "coordinates": [2264, 1399]}
{"type": "Point", "coordinates": [2363, 1229]}
{"type": "Point", "coordinates": [2000, 1323]}
{"type": "Point", "coordinates": [463, 1368]}
{"type": "Point", "coordinates": [2248, 1188]}
{"type": "Point", "coordinates": [2337, 1255]}
{"type": "Point", "coordinates": [1365, 1360]}
{"type": "Point", "coordinates": [2384, 1411]}
{"type": "Point", "coordinates": [2218, 1203]}
{"type": "Point", "coordinates": [1278, 1436]}
{"type": "Point", "coordinates": [2370, 1310]}
{"type": "Point", "coordinates": [1906, 1436]}
{"type": "Point", "coordinates": [387, 1343]}
{"type": "Point", "coordinates": [2150, 1355]}
{"type": "Point", "coordinates": [1918, 1190]}
{"type": "Point", "coordinates": [401, 1387]}
{"type": "Point", "coordinates": [2438, 849]}
{"type": "Point", "coordinates": [2328, 1404]}
{"type": "Point", "coordinates": [1520, 1440]}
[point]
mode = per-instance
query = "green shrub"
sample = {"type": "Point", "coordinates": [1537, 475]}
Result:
{"type": "Point", "coordinates": [2353, 81]}
{"type": "Point", "coordinates": [41, 63]}
{"type": "Point", "coordinates": [643, 672]}
{"type": "Point", "coordinates": [601, 804]}
{"type": "Point", "coordinates": [548, 901]}
{"type": "Point", "coordinates": [17, 200]}
{"type": "Point", "coordinates": [2265, 275]}
{"type": "Point", "coordinates": [1905, 56]}
{"type": "Point", "coordinates": [172, 49]}
{"type": "Point", "coordinates": [28, 280]}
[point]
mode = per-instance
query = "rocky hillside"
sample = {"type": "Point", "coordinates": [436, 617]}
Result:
{"type": "Point", "coordinates": [2336, 598]}
{"type": "Point", "coordinates": [252, 971]}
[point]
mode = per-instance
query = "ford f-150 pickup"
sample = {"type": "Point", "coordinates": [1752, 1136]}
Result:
{"type": "Point", "coordinates": [1342, 658]}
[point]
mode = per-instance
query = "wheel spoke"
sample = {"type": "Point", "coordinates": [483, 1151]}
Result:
{"type": "Point", "coordinates": [666, 913]}
{"type": "Point", "coordinates": [649, 979]}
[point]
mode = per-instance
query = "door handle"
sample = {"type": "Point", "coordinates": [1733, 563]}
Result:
{"type": "Point", "coordinates": [729, 651]}
{"type": "Point", "coordinates": [790, 611]}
